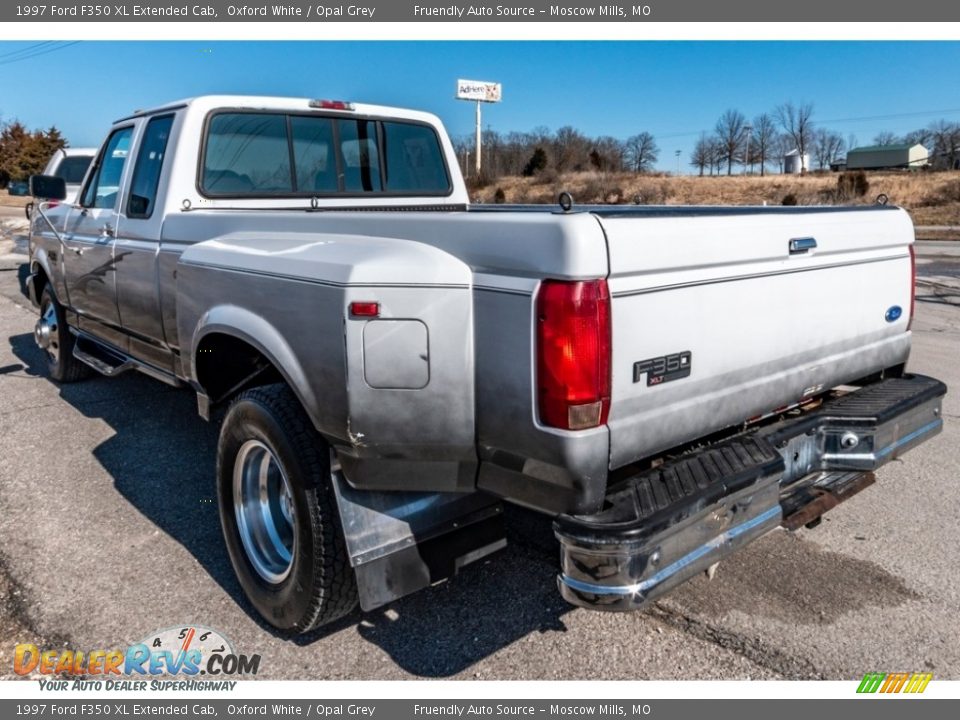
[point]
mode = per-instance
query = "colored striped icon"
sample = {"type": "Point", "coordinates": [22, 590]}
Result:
{"type": "Point", "coordinates": [894, 682]}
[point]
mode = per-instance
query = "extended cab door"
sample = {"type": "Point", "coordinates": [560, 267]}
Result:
{"type": "Point", "coordinates": [90, 271]}
{"type": "Point", "coordinates": [138, 244]}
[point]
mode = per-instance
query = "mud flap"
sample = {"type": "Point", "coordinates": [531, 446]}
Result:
{"type": "Point", "coordinates": [401, 542]}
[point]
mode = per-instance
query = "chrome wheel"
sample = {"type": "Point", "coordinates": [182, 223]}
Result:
{"type": "Point", "coordinates": [46, 332]}
{"type": "Point", "coordinates": [264, 509]}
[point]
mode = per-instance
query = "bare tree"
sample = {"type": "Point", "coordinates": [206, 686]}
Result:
{"type": "Point", "coordinates": [796, 121]}
{"type": "Point", "coordinates": [946, 144]}
{"type": "Point", "coordinates": [783, 144]}
{"type": "Point", "coordinates": [827, 147]}
{"type": "Point", "coordinates": [701, 157]}
{"type": "Point", "coordinates": [885, 138]}
{"type": "Point", "coordinates": [463, 147]}
{"type": "Point", "coordinates": [641, 152]}
{"type": "Point", "coordinates": [608, 154]}
{"type": "Point", "coordinates": [764, 135]}
{"type": "Point", "coordinates": [570, 149]}
{"type": "Point", "coordinates": [920, 136]}
{"type": "Point", "coordinates": [717, 155]}
{"type": "Point", "coordinates": [731, 133]}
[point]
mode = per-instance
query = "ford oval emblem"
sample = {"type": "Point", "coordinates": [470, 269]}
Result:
{"type": "Point", "coordinates": [894, 313]}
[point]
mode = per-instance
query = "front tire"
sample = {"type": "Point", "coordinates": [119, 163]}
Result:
{"type": "Point", "coordinates": [53, 336]}
{"type": "Point", "coordinates": [279, 514]}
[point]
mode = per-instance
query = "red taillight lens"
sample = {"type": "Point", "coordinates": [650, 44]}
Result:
{"type": "Point", "coordinates": [573, 353]}
{"type": "Point", "coordinates": [913, 285]}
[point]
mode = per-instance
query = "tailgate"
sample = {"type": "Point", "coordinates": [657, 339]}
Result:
{"type": "Point", "coordinates": [715, 320]}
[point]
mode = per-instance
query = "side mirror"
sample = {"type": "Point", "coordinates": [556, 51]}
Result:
{"type": "Point", "coordinates": [48, 187]}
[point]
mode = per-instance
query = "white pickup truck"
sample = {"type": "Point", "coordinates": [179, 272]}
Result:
{"type": "Point", "coordinates": [669, 383]}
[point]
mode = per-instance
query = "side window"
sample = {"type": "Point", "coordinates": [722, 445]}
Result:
{"type": "Point", "coordinates": [313, 154]}
{"type": "Point", "coordinates": [414, 160]}
{"type": "Point", "coordinates": [247, 154]}
{"type": "Point", "coordinates": [361, 161]}
{"type": "Point", "coordinates": [104, 186]}
{"type": "Point", "coordinates": [146, 173]}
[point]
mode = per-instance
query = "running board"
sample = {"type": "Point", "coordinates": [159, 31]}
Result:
{"type": "Point", "coordinates": [111, 362]}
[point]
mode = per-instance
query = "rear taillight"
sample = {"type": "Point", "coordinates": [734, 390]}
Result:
{"type": "Point", "coordinates": [573, 353]}
{"type": "Point", "coordinates": [913, 284]}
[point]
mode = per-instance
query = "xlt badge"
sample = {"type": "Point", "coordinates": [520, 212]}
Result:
{"type": "Point", "coordinates": [663, 369]}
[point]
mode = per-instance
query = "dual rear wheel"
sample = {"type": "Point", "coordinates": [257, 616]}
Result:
{"type": "Point", "coordinates": [279, 513]}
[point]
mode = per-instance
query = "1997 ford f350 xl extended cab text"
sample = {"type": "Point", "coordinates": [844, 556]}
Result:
{"type": "Point", "coordinates": [668, 383]}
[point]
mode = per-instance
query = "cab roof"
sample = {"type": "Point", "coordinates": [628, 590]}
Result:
{"type": "Point", "coordinates": [206, 103]}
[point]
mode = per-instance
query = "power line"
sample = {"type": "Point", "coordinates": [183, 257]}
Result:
{"type": "Point", "coordinates": [27, 49]}
{"type": "Point", "coordinates": [39, 51]}
{"type": "Point", "coordinates": [895, 116]}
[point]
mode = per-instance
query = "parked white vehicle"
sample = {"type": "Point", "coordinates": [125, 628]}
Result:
{"type": "Point", "coordinates": [71, 164]}
{"type": "Point", "coordinates": [669, 383]}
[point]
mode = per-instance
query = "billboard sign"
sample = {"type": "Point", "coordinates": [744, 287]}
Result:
{"type": "Point", "coordinates": [478, 90]}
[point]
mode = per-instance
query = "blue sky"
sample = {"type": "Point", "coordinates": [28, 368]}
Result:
{"type": "Point", "coordinates": [674, 90]}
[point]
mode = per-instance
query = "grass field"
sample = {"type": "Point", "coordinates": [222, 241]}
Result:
{"type": "Point", "coordinates": [932, 198]}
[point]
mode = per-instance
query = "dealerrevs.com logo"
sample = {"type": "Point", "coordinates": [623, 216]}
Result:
{"type": "Point", "coordinates": [888, 683]}
{"type": "Point", "coordinates": [182, 652]}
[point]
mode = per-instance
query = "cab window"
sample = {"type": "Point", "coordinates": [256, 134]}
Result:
{"type": "Point", "coordinates": [104, 187]}
{"type": "Point", "coordinates": [146, 173]}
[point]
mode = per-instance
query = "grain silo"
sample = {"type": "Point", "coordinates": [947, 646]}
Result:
{"type": "Point", "coordinates": [794, 163]}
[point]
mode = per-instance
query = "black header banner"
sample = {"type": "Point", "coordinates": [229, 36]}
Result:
{"type": "Point", "coordinates": [738, 11]}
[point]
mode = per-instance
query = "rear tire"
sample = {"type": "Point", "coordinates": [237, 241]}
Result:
{"type": "Point", "coordinates": [279, 513]}
{"type": "Point", "coordinates": [54, 338]}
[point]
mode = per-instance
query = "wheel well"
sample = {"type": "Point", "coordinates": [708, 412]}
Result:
{"type": "Point", "coordinates": [41, 279]}
{"type": "Point", "coordinates": [226, 365]}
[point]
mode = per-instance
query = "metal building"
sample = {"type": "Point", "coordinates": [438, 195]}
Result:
{"type": "Point", "coordinates": [794, 163]}
{"type": "Point", "coordinates": [882, 157]}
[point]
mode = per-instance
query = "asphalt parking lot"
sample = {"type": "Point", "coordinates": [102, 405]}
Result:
{"type": "Point", "coordinates": [109, 531]}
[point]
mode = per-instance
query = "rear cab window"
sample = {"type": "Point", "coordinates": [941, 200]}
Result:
{"type": "Point", "coordinates": [275, 154]}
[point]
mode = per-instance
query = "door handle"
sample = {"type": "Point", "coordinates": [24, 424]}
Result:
{"type": "Point", "coordinates": [802, 245]}
{"type": "Point", "coordinates": [106, 231]}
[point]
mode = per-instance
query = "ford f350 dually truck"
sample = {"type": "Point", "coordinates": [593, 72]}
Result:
{"type": "Point", "coordinates": [391, 363]}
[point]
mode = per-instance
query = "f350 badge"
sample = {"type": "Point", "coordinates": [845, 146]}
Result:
{"type": "Point", "coordinates": [664, 368]}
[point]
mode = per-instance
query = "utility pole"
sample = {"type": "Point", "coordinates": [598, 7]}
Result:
{"type": "Point", "coordinates": [480, 92]}
{"type": "Point", "coordinates": [677, 153]}
{"type": "Point", "coordinates": [478, 139]}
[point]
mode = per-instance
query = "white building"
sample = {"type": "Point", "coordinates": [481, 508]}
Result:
{"type": "Point", "coordinates": [879, 157]}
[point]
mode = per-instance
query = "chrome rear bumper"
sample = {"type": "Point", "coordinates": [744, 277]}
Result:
{"type": "Point", "coordinates": [665, 525]}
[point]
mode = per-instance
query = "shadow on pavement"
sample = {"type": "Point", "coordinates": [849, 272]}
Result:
{"type": "Point", "coordinates": [162, 460]}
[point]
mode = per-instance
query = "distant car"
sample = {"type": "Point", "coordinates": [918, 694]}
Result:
{"type": "Point", "coordinates": [18, 187]}
{"type": "Point", "coordinates": [70, 164]}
